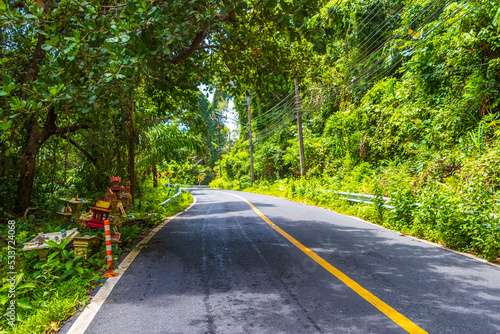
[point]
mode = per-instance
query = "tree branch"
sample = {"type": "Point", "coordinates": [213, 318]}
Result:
{"type": "Point", "coordinates": [50, 128]}
{"type": "Point", "coordinates": [36, 58]}
{"type": "Point", "coordinates": [71, 128]}
{"type": "Point", "coordinates": [195, 44]}
{"type": "Point", "coordinates": [192, 48]}
{"type": "Point", "coordinates": [208, 47]}
{"type": "Point", "coordinates": [81, 149]}
{"type": "Point", "coordinates": [231, 17]}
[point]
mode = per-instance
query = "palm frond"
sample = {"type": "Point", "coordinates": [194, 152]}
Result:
{"type": "Point", "coordinates": [158, 143]}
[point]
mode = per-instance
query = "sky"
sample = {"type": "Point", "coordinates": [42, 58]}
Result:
{"type": "Point", "coordinates": [231, 115]}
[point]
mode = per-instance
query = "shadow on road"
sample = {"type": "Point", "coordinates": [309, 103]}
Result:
{"type": "Point", "coordinates": [219, 268]}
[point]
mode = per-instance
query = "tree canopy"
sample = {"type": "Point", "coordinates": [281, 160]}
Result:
{"type": "Point", "coordinates": [73, 67]}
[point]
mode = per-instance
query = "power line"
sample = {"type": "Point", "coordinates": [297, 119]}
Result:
{"type": "Point", "coordinates": [386, 42]}
{"type": "Point", "coordinates": [449, 16]}
{"type": "Point", "coordinates": [382, 58]}
{"type": "Point", "coordinates": [283, 119]}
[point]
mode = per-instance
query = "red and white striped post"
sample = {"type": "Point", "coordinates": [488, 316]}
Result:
{"type": "Point", "coordinates": [109, 254]}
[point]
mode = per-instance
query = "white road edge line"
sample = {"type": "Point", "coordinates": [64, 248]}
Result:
{"type": "Point", "coordinates": [470, 256]}
{"type": "Point", "coordinates": [81, 324]}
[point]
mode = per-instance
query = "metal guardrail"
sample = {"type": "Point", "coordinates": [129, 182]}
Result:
{"type": "Point", "coordinates": [362, 198]}
{"type": "Point", "coordinates": [367, 199]}
{"type": "Point", "coordinates": [171, 198]}
{"type": "Point", "coordinates": [179, 192]}
{"type": "Point", "coordinates": [193, 186]}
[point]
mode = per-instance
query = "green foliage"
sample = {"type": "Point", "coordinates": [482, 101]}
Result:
{"type": "Point", "coordinates": [50, 291]}
{"type": "Point", "coordinates": [403, 102]}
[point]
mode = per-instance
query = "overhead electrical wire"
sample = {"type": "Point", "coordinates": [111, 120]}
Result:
{"type": "Point", "coordinates": [291, 94]}
{"type": "Point", "coordinates": [382, 58]}
{"type": "Point", "coordinates": [281, 124]}
{"type": "Point", "coordinates": [371, 37]}
{"type": "Point", "coordinates": [284, 118]}
{"type": "Point", "coordinates": [287, 111]}
{"type": "Point", "coordinates": [379, 49]}
{"type": "Point", "coordinates": [420, 41]}
{"type": "Point", "coordinates": [368, 39]}
{"type": "Point", "coordinates": [267, 112]}
{"type": "Point", "coordinates": [381, 26]}
{"type": "Point", "coordinates": [338, 89]}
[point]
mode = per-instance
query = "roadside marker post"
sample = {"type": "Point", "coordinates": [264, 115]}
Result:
{"type": "Point", "coordinates": [109, 253]}
{"type": "Point", "coordinates": [168, 175]}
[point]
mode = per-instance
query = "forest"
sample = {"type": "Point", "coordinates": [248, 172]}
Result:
{"type": "Point", "coordinates": [397, 98]}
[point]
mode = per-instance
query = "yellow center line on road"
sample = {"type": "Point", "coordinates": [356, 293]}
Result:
{"type": "Point", "coordinates": [394, 315]}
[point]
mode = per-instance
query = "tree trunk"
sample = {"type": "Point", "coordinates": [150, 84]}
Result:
{"type": "Point", "coordinates": [54, 164]}
{"type": "Point", "coordinates": [36, 138]}
{"type": "Point", "coordinates": [131, 151]}
{"type": "Point", "coordinates": [138, 189]}
{"type": "Point", "coordinates": [155, 177]}
{"type": "Point", "coordinates": [28, 163]}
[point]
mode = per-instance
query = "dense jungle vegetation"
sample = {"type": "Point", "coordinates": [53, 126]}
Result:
{"type": "Point", "coordinates": [399, 99]}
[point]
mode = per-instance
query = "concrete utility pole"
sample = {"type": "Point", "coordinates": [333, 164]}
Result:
{"type": "Point", "coordinates": [218, 127]}
{"type": "Point", "coordinates": [299, 125]}
{"type": "Point", "coordinates": [218, 117]}
{"type": "Point", "coordinates": [250, 137]}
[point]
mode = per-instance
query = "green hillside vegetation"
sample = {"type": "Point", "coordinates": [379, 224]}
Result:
{"type": "Point", "coordinates": [400, 99]}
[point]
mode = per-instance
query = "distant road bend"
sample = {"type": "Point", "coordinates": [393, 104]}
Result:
{"type": "Point", "coordinates": [247, 263]}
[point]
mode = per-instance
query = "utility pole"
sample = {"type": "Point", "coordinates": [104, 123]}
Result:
{"type": "Point", "coordinates": [250, 137]}
{"type": "Point", "coordinates": [218, 118]}
{"type": "Point", "coordinates": [218, 127]}
{"type": "Point", "coordinates": [299, 125]}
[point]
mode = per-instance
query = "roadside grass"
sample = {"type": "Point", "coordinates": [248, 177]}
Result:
{"type": "Point", "coordinates": [48, 293]}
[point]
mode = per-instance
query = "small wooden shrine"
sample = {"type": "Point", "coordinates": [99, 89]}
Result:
{"type": "Point", "coordinates": [86, 245]}
{"type": "Point", "coordinates": [116, 188]}
{"type": "Point", "coordinates": [100, 212]}
{"type": "Point", "coordinates": [119, 196]}
{"type": "Point", "coordinates": [73, 207]}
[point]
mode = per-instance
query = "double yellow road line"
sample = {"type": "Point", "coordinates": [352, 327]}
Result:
{"type": "Point", "coordinates": [391, 313]}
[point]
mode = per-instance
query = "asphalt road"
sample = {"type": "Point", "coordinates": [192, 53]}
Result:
{"type": "Point", "coordinates": [220, 268]}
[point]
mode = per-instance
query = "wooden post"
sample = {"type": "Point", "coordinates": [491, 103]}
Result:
{"type": "Point", "coordinates": [299, 125]}
{"type": "Point", "coordinates": [250, 137]}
